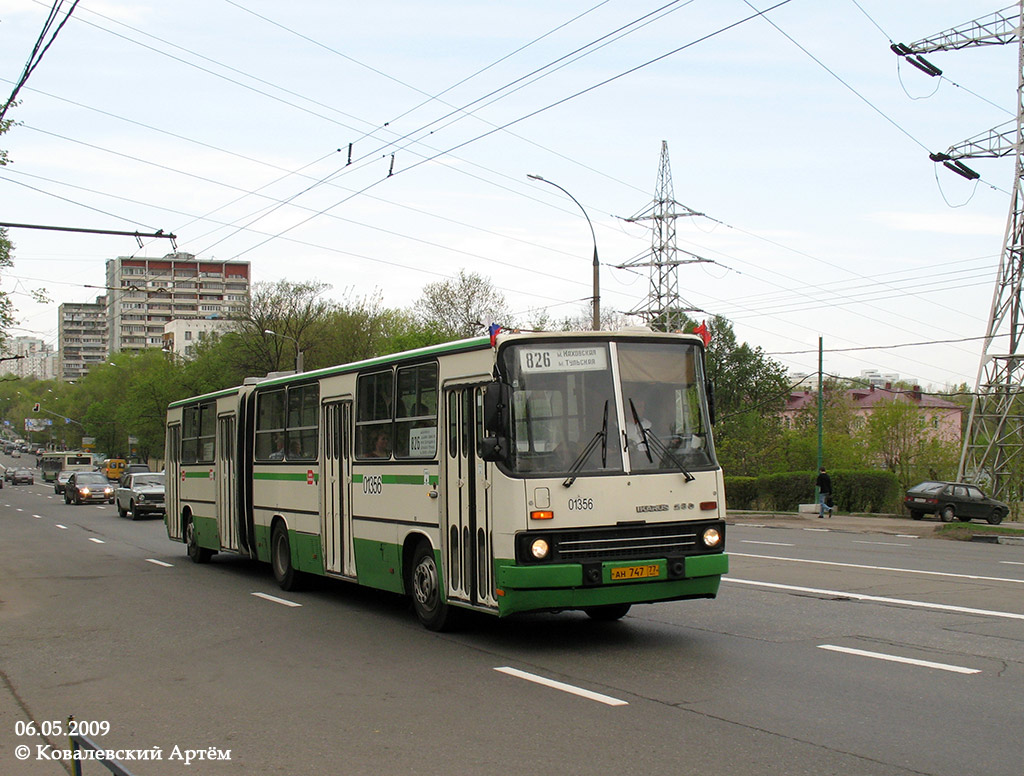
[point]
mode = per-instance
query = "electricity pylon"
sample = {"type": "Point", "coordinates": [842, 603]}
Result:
{"type": "Point", "coordinates": [664, 308]}
{"type": "Point", "coordinates": [993, 447]}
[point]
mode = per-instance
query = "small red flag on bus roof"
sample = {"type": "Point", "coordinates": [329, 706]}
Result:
{"type": "Point", "coordinates": [702, 330]}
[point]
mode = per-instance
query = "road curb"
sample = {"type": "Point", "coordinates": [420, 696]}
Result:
{"type": "Point", "coordinates": [990, 539]}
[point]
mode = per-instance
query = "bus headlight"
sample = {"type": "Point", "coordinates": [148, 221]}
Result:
{"type": "Point", "coordinates": [711, 537]}
{"type": "Point", "coordinates": [539, 549]}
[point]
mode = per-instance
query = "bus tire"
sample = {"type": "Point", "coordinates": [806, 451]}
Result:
{"type": "Point", "coordinates": [424, 585]}
{"type": "Point", "coordinates": [608, 612]}
{"type": "Point", "coordinates": [196, 553]}
{"type": "Point", "coordinates": [281, 559]}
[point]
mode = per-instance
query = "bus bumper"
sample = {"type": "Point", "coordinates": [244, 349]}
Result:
{"type": "Point", "coordinates": [561, 586]}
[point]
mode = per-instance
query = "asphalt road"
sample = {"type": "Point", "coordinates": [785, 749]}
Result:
{"type": "Point", "coordinates": [827, 652]}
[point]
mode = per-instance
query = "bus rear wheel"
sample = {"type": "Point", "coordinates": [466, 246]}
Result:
{"type": "Point", "coordinates": [281, 559]}
{"type": "Point", "coordinates": [425, 588]}
{"type": "Point", "coordinates": [196, 553]}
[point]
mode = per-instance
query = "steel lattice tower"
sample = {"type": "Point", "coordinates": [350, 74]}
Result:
{"type": "Point", "coordinates": [664, 308]}
{"type": "Point", "coordinates": [993, 449]}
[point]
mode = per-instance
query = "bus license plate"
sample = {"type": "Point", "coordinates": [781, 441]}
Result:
{"type": "Point", "coordinates": [635, 572]}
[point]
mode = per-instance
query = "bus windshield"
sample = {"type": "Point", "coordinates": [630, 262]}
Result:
{"type": "Point", "coordinates": [567, 415]}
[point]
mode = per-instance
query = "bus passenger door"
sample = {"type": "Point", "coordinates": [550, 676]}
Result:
{"type": "Point", "coordinates": [335, 483]}
{"type": "Point", "coordinates": [467, 542]}
{"type": "Point", "coordinates": [172, 482]}
{"type": "Point", "coordinates": [227, 501]}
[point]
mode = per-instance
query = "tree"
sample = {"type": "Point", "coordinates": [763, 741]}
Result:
{"type": "Point", "coordinates": [898, 439]}
{"type": "Point", "coordinates": [750, 394]}
{"type": "Point", "coordinates": [462, 307]}
{"type": "Point", "coordinates": [293, 311]}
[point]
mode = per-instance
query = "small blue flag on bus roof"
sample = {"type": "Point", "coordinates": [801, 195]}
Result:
{"type": "Point", "coordinates": [493, 330]}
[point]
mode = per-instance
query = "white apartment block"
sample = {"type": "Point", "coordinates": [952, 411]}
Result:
{"type": "Point", "coordinates": [147, 294]}
{"type": "Point", "coordinates": [182, 335]}
{"type": "Point", "coordinates": [81, 337]}
{"type": "Point", "coordinates": [28, 357]}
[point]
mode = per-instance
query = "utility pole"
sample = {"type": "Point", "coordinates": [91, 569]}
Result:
{"type": "Point", "coordinates": [664, 308]}
{"type": "Point", "coordinates": [993, 445]}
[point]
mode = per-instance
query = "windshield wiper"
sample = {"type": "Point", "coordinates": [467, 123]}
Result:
{"type": "Point", "coordinates": [651, 440]}
{"type": "Point", "coordinates": [601, 436]}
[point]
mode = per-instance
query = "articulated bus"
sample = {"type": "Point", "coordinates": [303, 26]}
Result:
{"type": "Point", "coordinates": [524, 472]}
{"type": "Point", "coordinates": [55, 462]}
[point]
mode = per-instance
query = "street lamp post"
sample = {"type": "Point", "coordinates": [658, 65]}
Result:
{"type": "Point", "coordinates": [597, 285]}
{"type": "Point", "coordinates": [298, 350]}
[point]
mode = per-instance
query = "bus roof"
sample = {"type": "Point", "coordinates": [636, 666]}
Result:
{"type": "Point", "coordinates": [456, 346]}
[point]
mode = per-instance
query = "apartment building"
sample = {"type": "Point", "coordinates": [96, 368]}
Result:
{"type": "Point", "coordinates": [28, 357]}
{"type": "Point", "coordinates": [183, 334]}
{"type": "Point", "coordinates": [81, 337]}
{"type": "Point", "coordinates": [146, 294]}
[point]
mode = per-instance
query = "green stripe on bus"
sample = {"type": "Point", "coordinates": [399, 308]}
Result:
{"type": "Point", "coordinates": [398, 479]}
{"type": "Point", "coordinates": [285, 476]}
{"type": "Point", "coordinates": [197, 475]}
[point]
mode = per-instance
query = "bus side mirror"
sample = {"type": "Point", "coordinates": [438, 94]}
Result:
{"type": "Point", "coordinates": [494, 449]}
{"type": "Point", "coordinates": [709, 388]}
{"type": "Point", "coordinates": [497, 398]}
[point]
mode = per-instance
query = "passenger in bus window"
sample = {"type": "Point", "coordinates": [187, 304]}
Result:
{"type": "Point", "coordinates": [278, 454]}
{"type": "Point", "coordinates": [381, 446]}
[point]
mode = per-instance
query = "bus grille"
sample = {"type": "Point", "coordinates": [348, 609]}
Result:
{"type": "Point", "coordinates": [624, 542]}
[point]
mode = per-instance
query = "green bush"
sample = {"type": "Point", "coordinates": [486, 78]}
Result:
{"type": "Point", "coordinates": [853, 491]}
{"type": "Point", "coordinates": [740, 492]}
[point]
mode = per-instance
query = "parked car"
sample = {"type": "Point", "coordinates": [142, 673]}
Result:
{"type": "Point", "coordinates": [23, 477]}
{"type": "Point", "coordinates": [88, 486]}
{"type": "Point", "coordinates": [62, 480]}
{"type": "Point", "coordinates": [951, 500]}
{"type": "Point", "coordinates": [8, 473]}
{"type": "Point", "coordinates": [140, 493]}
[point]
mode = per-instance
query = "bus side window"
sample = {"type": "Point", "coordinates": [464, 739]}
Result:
{"type": "Point", "coordinates": [374, 394]}
{"type": "Point", "coordinates": [416, 412]}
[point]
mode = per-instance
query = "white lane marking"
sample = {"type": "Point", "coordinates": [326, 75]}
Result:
{"type": "Point", "coordinates": [774, 544]}
{"type": "Point", "coordinates": [877, 599]}
{"type": "Point", "coordinates": [907, 536]}
{"type": "Point", "coordinates": [63, 527]}
{"type": "Point", "coordinates": [1013, 562]}
{"type": "Point", "coordinates": [817, 530]}
{"type": "Point", "coordinates": [98, 541]}
{"type": "Point", "coordinates": [275, 599]}
{"type": "Point", "coordinates": [884, 544]}
{"type": "Point", "coordinates": [594, 696]}
{"type": "Point", "coordinates": [751, 525]}
{"type": "Point", "coordinates": [160, 563]}
{"type": "Point", "coordinates": [38, 517]}
{"type": "Point", "coordinates": [879, 568]}
{"type": "Point", "coordinates": [19, 509]}
{"type": "Point", "coordinates": [897, 659]}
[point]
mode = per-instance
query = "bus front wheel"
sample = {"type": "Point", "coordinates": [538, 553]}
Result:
{"type": "Point", "coordinates": [281, 559]}
{"type": "Point", "coordinates": [425, 587]}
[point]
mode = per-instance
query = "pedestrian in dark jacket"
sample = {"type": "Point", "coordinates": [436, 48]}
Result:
{"type": "Point", "coordinates": [824, 485]}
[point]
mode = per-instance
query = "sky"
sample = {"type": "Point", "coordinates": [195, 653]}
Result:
{"type": "Point", "coordinates": [797, 134]}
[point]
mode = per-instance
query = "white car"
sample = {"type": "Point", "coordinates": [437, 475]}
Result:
{"type": "Point", "coordinates": [140, 493]}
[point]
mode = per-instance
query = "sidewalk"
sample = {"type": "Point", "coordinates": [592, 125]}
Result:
{"type": "Point", "coordinates": [878, 524]}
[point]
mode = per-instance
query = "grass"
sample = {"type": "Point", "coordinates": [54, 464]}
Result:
{"type": "Point", "coordinates": [964, 531]}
